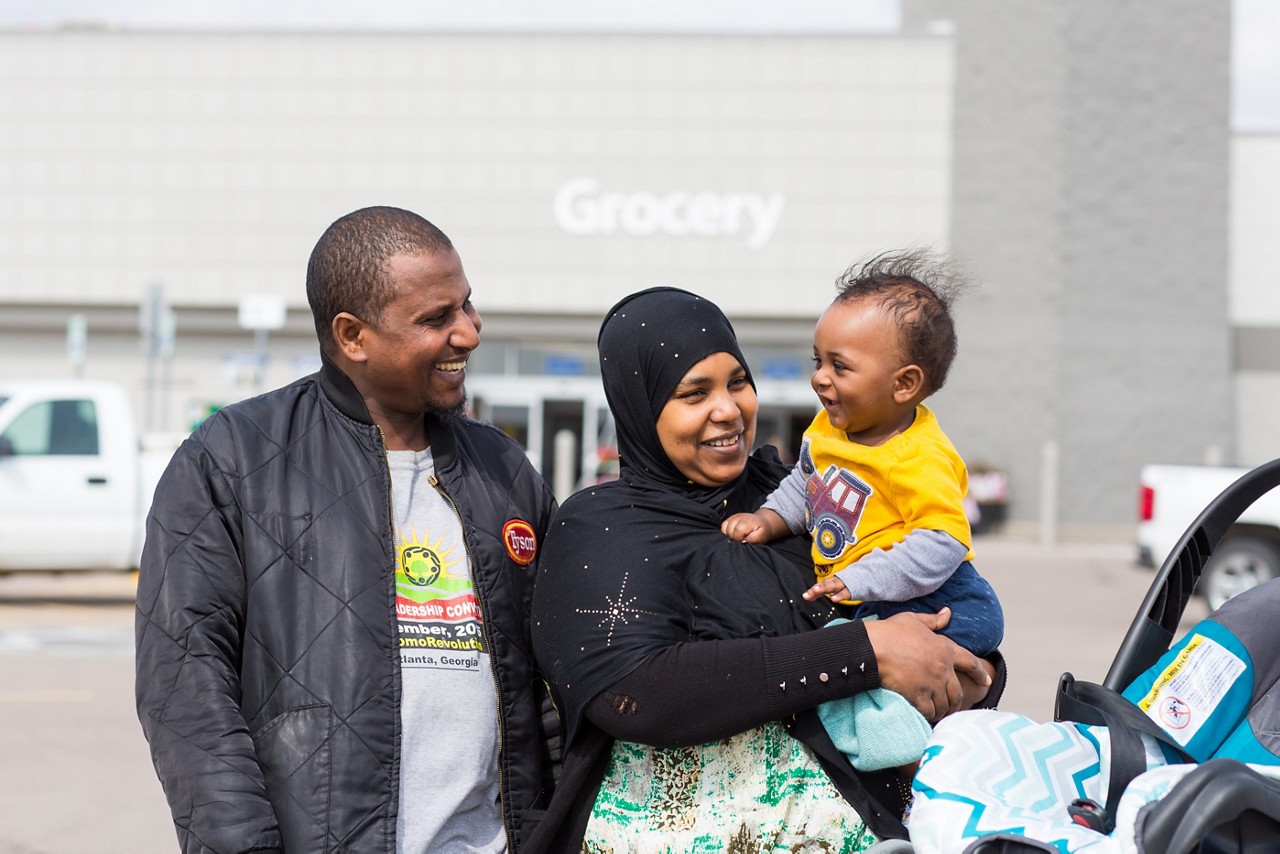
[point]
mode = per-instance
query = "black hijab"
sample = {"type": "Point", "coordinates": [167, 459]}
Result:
{"type": "Point", "coordinates": [647, 343]}
{"type": "Point", "coordinates": [634, 566]}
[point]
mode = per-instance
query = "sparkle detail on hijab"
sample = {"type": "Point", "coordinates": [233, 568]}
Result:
{"type": "Point", "coordinates": [617, 609]}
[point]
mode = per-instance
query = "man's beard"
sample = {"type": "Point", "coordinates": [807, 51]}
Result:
{"type": "Point", "coordinates": [451, 414]}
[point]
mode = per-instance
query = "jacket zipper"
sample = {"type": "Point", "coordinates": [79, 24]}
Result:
{"type": "Point", "coordinates": [488, 645]}
{"type": "Point", "coordinates": [395, 615]}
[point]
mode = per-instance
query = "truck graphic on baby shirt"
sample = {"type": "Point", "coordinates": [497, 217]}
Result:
{"type": "Point", "coordinates": [833, 505]}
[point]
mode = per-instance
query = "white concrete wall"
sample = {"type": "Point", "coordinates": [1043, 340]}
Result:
{"type": "Point", "coordinates": [1255, 293]}
{"type": "Point", "coordinates": [1255, 230]}
{"type": "Point", "coordinates": [212, 162]}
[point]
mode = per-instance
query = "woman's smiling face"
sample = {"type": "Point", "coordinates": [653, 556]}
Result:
{"type": "Point", "coordinates": [708, 425]}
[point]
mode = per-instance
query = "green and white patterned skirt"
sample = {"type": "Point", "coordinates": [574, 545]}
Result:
{"type": "Point", "coordinates": [760, 791]}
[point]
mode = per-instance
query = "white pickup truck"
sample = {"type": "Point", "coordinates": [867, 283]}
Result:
{"type": "Point", "coordinates": [1171, 497]}
{"type": "Point", "coordinates": [75, 480]}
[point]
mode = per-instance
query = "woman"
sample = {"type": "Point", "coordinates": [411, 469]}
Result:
{"type": "Point", "coordinates": [683, 664]}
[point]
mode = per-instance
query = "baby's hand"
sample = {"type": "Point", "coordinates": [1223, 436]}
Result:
{"type": "Point", "coordinates": [833, 588]}
{"type": "Point", "coordinates": [745, 528]}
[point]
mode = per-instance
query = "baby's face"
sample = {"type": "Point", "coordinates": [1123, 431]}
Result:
{"type": "Point", "coordinates": [857, 372]}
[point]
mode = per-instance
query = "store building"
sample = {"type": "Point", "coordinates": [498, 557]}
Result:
{"type": "Point", "coordinates": [174, 183]}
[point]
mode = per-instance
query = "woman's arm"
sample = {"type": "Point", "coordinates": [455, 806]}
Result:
{"type": "Point", "coordinates": [693, 693]}
{"type": "Point", "coordinates": [702, 691]}
{"type": "Point", "coordinates": [923, 666]}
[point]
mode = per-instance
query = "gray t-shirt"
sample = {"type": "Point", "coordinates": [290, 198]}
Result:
{"type": "Point", "coordinates": [449, 707]}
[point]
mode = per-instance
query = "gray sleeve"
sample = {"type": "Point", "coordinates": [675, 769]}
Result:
{"type": "Point", "coordinates": [788, 501]}
{"type": "Point", "coordinates": [914, 567]}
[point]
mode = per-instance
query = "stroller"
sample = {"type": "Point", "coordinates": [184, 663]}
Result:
{"type": "Point", "coordinates": [1219, 805]}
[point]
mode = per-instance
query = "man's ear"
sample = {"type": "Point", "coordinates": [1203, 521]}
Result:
{"type": "Point", "coordinates": [349, 336]}
{"type": "Point", "coordinates": [907, 383]}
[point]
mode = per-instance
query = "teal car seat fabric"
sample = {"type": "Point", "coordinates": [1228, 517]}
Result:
{"type": "Point", "coordinates": [997, 774]}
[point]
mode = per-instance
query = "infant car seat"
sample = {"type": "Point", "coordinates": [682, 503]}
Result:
{"type": "Point", "coordinates": [1177, 751]}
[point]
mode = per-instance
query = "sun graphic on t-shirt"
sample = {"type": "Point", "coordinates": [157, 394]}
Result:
{"type": "Point", "coordinates": [424, 564]}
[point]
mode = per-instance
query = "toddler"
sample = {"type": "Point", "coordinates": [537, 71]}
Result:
{"type": "Point", "coordinates": [879, 487]}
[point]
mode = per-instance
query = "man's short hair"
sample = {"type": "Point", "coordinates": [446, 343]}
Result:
{"type": "Point", "coordinates": [916, 290]}
{"type": "Point", "coordinates": [348, 267]}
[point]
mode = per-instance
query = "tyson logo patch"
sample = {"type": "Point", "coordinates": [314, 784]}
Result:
{"type": "Point", "coordinates": [521, 542]}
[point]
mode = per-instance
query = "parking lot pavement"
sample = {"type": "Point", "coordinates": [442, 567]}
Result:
{"type": "Point", "coordinates": [88, 599]}
{"type": "Point", "coordinates": [1067, 607]}
{"type": "Point", "coordinates": [68, 613]}
{"type": "Point", "coordinates": [77, 775]}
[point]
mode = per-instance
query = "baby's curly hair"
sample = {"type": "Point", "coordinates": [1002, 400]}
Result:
{"type": "Point", "coordinates": [916, 289]}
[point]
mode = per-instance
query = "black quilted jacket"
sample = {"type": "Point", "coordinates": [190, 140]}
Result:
{"type": "Point", "coordinates": [268, 673]}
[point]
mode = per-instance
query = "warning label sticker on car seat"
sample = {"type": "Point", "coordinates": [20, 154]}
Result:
{"type": "Point", "coordinates": [1191, 687]}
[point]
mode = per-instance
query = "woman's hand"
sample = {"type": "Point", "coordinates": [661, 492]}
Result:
{"type": "Point", "coordinates": [921, 665]}
{"type": "Point", "coordinates": [973, 692]}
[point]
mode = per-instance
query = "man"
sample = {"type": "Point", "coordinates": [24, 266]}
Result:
{"type": "Point", "coordinates": [332, 624]}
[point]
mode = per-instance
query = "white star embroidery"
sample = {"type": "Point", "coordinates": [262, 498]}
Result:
{"type": "Point", "coordinates": [616, 610]}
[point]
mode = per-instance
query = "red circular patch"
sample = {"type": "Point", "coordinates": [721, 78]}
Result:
{"type": "Point", "coordinates": [521, 542]}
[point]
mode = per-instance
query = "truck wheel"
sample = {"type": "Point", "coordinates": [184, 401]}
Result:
{"type": "Point", "coordinates": [1238, 565]}
{"type": "Point", "coordinates": [829, 537]}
